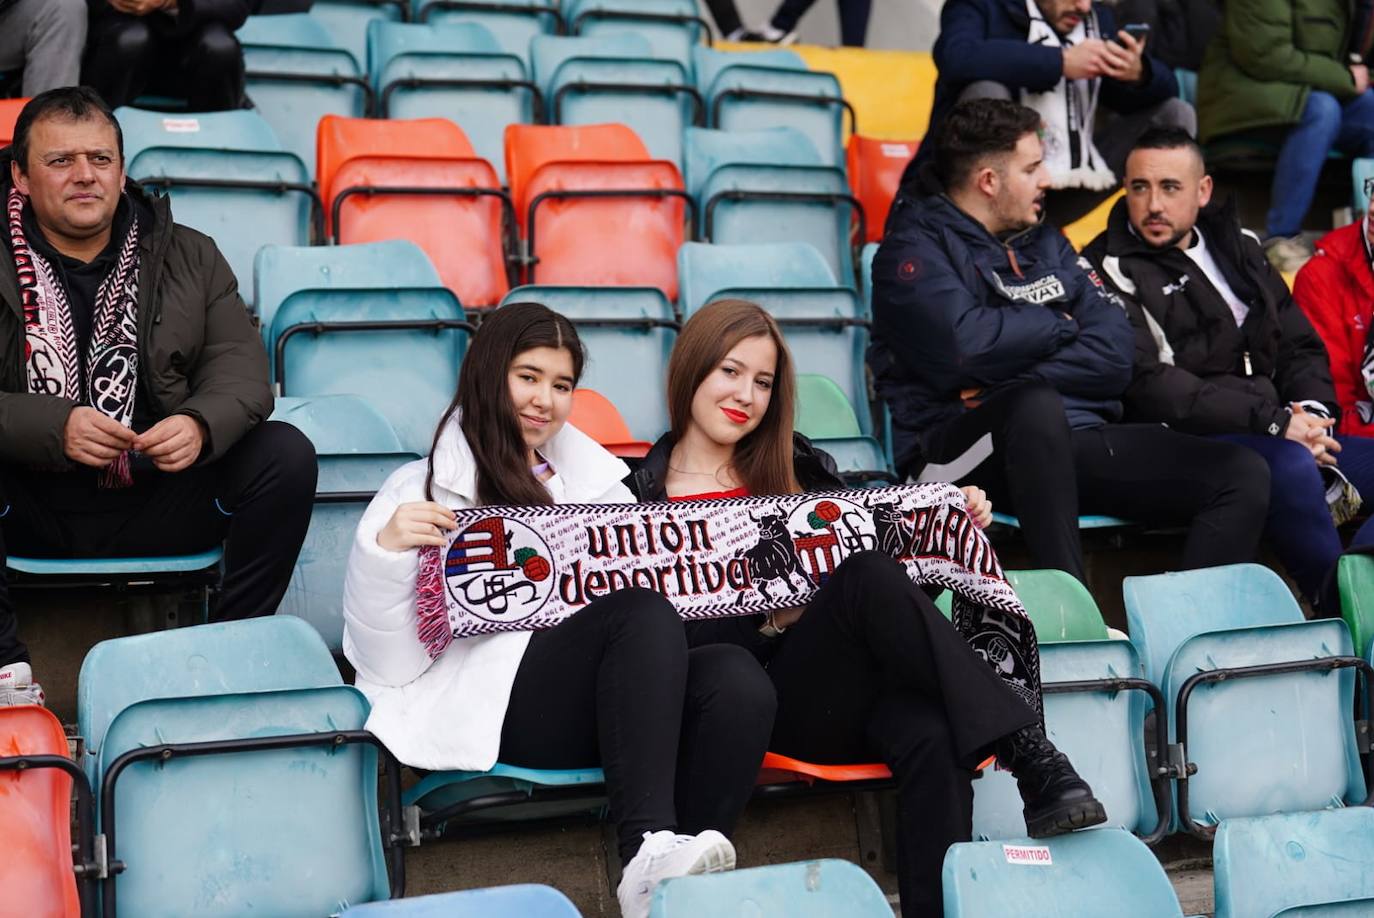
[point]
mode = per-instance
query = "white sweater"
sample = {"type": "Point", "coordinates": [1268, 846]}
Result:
{"type": "Point", "coordinates": [446, 713]}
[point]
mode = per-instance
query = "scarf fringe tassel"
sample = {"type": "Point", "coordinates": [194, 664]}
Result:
{"type": "Point", "coordinates": [434, 628]}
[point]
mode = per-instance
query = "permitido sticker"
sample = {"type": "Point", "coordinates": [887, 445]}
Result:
{"type": "Point", "coordinates": [1032, 855]}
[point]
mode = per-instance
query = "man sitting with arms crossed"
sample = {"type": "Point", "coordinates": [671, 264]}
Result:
{"type": "Point", "coordinates": [1222, 350]}
{"type": "Point", "coordinates": [133, 387]}
{"type": "Point", "coordinates": [1002, 359]}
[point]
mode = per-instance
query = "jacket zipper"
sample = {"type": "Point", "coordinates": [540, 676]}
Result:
{"type": "Point", "coordinates": [1249, 370]}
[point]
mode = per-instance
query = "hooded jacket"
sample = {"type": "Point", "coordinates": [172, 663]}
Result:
{"type": "Point", "coordinates": [1336, 292]}
{"type": "Point", "coordinates": [198, 353]}
{"type": "Point", "coordinates": [957, 310]}
{"type": "Point", "coordinates": [446, 713]}
{"type": "Point", "coordinates": [1195, 369]}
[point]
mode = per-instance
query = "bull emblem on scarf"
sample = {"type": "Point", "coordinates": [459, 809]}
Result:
{"type": "Point", "coordinates": [773, 557]}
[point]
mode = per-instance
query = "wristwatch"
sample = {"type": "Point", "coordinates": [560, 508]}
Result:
{"type": "Point", "coordinates": [769, 628]}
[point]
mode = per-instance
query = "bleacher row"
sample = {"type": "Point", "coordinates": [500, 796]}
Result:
{"type": "Point", "coordinates": [224, 769]}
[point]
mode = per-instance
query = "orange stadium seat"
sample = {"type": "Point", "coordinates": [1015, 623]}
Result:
{"type": "Point", "coordinates": [9, 113]}
{"type": "Point", "coordinates": [35, 810]}
{"type": "Point", "coordinates": [594, 415]}
{"type": "Point", "coordinates": [607, 214]}
{"type": "Point", "coordinates": [875, 172]}
{"type": "Point", "coordinates": [419, 181]}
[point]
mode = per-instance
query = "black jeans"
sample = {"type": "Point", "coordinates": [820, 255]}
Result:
{"type": "Point", "coordinates": [129, 55]}
{"type": "Point", "coordinates": [256, 499]}
{"type": "Point", "coordinates": [1047, 474]}
{"type": "Point", "coordinates": [872, 670]}
{"type": "Point", "coordinates": [680, 734]}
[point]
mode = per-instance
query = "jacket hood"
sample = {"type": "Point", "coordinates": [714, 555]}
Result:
{"type": "Point", "coordinates": [587, 469]}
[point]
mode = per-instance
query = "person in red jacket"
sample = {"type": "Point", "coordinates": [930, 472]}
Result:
{"type": "Point", "coordinates": [1336, 291]}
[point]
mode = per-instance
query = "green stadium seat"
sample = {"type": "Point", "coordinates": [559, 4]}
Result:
{"type": "Point", "coordinates": [1355, 577]}
{"type": "Point", "coordinates": [825, 416]}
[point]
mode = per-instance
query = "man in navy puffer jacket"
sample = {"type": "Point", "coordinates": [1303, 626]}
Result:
{"type": "Point", "coordinates": [1003, 361]}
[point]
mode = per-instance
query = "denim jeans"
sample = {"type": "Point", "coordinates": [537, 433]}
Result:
{"type": "Point", "coordinates": [1326, 122]}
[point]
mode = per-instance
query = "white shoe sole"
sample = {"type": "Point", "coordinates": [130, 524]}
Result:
{"type": "Point", "coordinates": [718, 858]}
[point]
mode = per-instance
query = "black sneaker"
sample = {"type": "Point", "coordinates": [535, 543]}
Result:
{"type": "Point", "coordinates": [1056, 799]}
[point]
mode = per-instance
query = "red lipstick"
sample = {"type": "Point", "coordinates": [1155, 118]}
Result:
{"type": "Point", "coordinates": [739, 417]}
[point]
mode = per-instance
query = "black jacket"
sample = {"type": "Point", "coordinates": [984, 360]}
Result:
{"type": "Point", "coordinates": [957, 309]}
{"type": "Point", "coordinates": [1195, 370]}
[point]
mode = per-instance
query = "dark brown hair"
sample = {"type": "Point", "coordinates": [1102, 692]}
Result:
{"type": "Point", "coordinates": [483, 398]}
{"type": "Point", "coordinates": [976, 130]}
{"type": "Point", "coordinates": [763, 459]}
{"type": "Point", "coordinates": [74, 103]}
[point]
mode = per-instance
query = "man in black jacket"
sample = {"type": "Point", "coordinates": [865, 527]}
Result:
{"type": "Point", "coordinates": [1004, 361]}
{"type": "Point", "coordinates": [133, 388]}
{"type": "Point", "coordinates": [1223, 350]}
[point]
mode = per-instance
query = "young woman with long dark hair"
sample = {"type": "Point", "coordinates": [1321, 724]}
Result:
{"type": "Point", "coordinates": [680, 733]}
{"type": "Point", "coordinates": [869, 668]}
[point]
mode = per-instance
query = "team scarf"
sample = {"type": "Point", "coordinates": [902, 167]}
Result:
{"type": "Point", "coordinates": [1365, 408]}
{"type": "Point", "coordinates": [52, 359]}
{"type": "Point", "coordinates": [528, 568]}
{"type": "Point", "coordinates": [1067, 112]}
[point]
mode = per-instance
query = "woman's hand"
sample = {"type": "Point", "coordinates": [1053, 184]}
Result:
{"type": "Point", "coordinates": [415, 524]}
{"type": "Point", "coordinates": [979, 507]}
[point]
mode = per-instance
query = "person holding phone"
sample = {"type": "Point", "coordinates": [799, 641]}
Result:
{"type": "Point", "coordinates": [1092, 82]}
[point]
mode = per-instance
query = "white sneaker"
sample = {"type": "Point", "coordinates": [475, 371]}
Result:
{"type": "Point", "coordinates": [17, 685]}
{"type": "Point", "coordinates": [665, 855]}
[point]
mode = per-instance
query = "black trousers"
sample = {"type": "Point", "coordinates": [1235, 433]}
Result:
{"type": "Point", "coordinates": [1047, 474]}
{"type": "Point", "coordinates": [129, 55]}
{"type": "Point", "coordinates": [679, 733]}
{"type": "Point", "coordinates": [872, 670]}
{"type": "Point", "coordinates": [256, 499]}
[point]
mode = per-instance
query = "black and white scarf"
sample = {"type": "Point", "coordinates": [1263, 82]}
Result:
{"type": "Point", "coordinates": [1365, 407]}
{"type": "Point", "coordinates": [1068, 112]}
{"type": "Point", "coordinates": [108, 380]}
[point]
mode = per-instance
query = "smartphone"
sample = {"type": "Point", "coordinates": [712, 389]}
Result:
{"type": "Point", "coordinates": [1137, 30]}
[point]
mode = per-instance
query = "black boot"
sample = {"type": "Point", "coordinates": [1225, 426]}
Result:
{"type": "Point", "coordinates": [1057, 800]}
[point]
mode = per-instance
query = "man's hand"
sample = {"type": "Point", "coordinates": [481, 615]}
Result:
{"type": "Point", "coordinates": [1124, 62]}
{"type": "Point", "coordinates": [173, 443]}
{"type": "Point", "coordinates": [1311, 431]}
{"type": "Point", "coordinates": [91, 438]}
{"type": "Point", "coordinates": [142, 7]}
{"type": "Point", "coordinates": [1086, 60]}
{"type": "Point", "coordinates": [1360, 74]}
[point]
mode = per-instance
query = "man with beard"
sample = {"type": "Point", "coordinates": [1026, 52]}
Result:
{"type": "Point", "coordinates": [1003, 361]}
{"type": "Point", "coordinates": [1223, 350]}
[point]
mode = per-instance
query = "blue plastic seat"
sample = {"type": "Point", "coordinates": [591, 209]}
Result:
{"type": "Point", "coordinates": [628, 333]}
{"type": "Point", "coordinates": [296, 74]}
{"type": "Point", "coordinates": [767, 89]}
{"type": "Point", "coordinates": [1360, 169]}
{"type": "Point", "coordinates": [117, 567]}
{"type": "Point", "coordinates": [806, 889]}
{"type": "Point", "coordinates": [523, 901]}
{"type": "Point", "coordinates": [771, 186]}
{"type": "Point", "coordinates": [514, 23]}
{"type": "Point", "coordinates": [356, 450]}
{"type": "Point", "coordinates": [1082, 875]}
{"type": "Point", "coordinates": [615, 78]}
{"type": "Point", "coordinates": [671, 27]}
{"type": "Point", "coordinates": [347, 21]}
{"type": "Point", "coordinates": [228, 176]}
{"type": "Point", "coordinates": [508, 791]}
{"type": "Point", "coordinates": [457, 71]}
{"type": "Point", "coordinates": [1099, 726]}
{"type": "Point", "coordinates": [1088, 521]}
{"type": "Point", "coordinates": [1294, 864]}
{"type": "Point", "coordinates": [1260, 742]}
{"type": "Point", "coordinates": [704, 269]}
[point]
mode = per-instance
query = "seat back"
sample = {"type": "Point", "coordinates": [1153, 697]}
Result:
{"type": "Point", "coordinates": [1081, 875]}
{"type": "Point", "coordinates": [35, 809]}
{"type": "Point", "coordinates": [252, 655]}
{"type": "Point", "coordinates": [1355, 575]}
{"type": "Point", "coordinates": [9, 114]}
{"type": "Point", "coordinates": [301, 31]}
{"type": "Point", "coordinates": [708, 150]}
{"type": "Point", "coordinates": [290, 832]}
{"type": "Point", "coordinates": [628, 335]}
{"type": "Point", "coordinates": [1360, 169]}
{"type": "Point", "coordinates": [1270, 865]}
{"type": "Point", "coordinates": [705, 270]}
{"type": "Point", "coordinates": [337, 140]}
{"type": "Point", "coordinates": [387, 41]}
{"type": "Point", "coordinates": [875, 174]}
{"type": "Point", "coordinates": [494, 902]}
{"type": "Point", "coordinates": [671, 36]}
{"type": "Point", "coordinates": [347, 22]}
{"type": "Point", "coordinates": [823, 410]}
{"type": "Point", "coordinates": [530, 147]}
{"type": "Point", "coordinates": [242, 129]}
{"type": "Point", "coordinates": [594, 415]}
{"type": "Point", "coordinates": [1060, 605]}
{"type": "Point", "coordinates": [1100, 732]}
{"type": "Point", "coordinates": [514, 24]}
{"type": "Point", "coordinates": [806, 889]}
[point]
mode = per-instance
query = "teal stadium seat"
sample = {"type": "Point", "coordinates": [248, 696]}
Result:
{"type": "Point", "coordinates": [1082, 875]}
{"type": "Point", "coordinates": [347, 20]}
{"type": "Point", "coordinates": [457, 71]}
{"type": "Point", "coordinates": [771, 186]}
{"type": "Point", "coordinates": [296, 75]}
{"type": "Point", "coordinates": [503, 794]}
{"type": "Point", "coordinates": [615, 77]}
{"type": "Point", "coordinates": [628, 333]}
{"type": "Point", "coordinates": [1261, 699]}
{"type": "Point", "coordinates": [1314, 865]}
{"type": "Point", "coordinates": [671, 27]}
{"type": "Point", "coordinates": [357, 450]}
{"type": "Point", "coordinates": [773, 89]}
{"type": "Point", "coordinates": [807, 889]}
{"type": "Point", "coordinates": [704, 269]}
{"type": "Point", "coordinates": [228, 176]}
{"type": "Point", "coordinates": [397, 346]}
{"type": "Point", "coordinates": [1360, 170]}
{"type": "Point", "coordinates": [514, 23]}
{"type": "Point", "coordinates": [523, 901]}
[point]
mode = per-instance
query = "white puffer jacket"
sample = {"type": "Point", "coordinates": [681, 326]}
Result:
{"type": "Point", "coordinates": [446, 713]}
